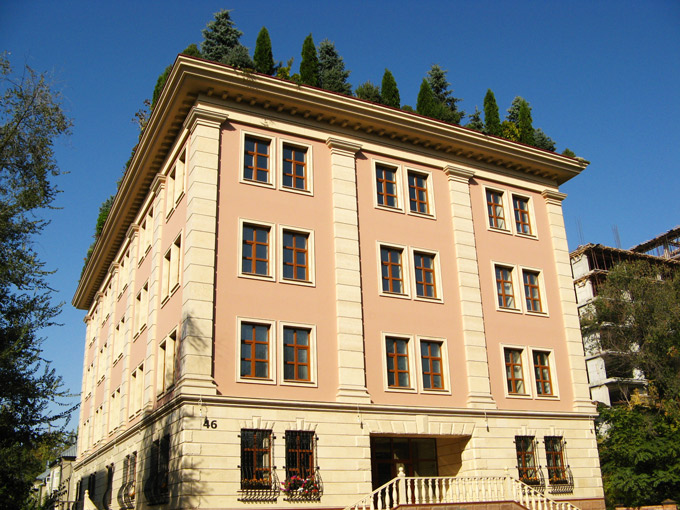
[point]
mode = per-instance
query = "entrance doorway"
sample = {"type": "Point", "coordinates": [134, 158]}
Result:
{"type": "Point", "coordinates": [417, 455]}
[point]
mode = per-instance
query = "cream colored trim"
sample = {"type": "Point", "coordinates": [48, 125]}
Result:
{"type": "Point", "coordinates": [272, 362]}
{"type": "Point", "coordinates": [271, 250]}
{"type": "Point", "coordinates": [405, 270]}
{"type": "Point", "coordinates": [526, 371]}
{"type": "Point", "coordinates": [541, 288]}
{"type": "Point", "coordinates": [311, 256]}
{"type": "Point", "coordinates": [446, 377]}
{"type": "Point", "coordinates": [309, 168]}
{"type": "Point", "coordinates": [552, 363]}
{"type": "Point", "coordinates": [399, 185]}
{"type": "Point", "coordinates": [273, 153]}
{"type": "Point", "coordinates": [515, 275]}
{"type": "Point", "coordinates": [312, 353]}
{"type": "Point", "coordinates": [429, 183]}
{"type": "Point", "coordinates": [412, 374]}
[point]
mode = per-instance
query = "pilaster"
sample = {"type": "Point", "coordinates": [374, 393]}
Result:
{"type": "Point", "coordinates": [198, 271]}
{"type": "Point", "coordinates": [572, 327]}
{"type": "Point", "coordinates": [470, 294]}
{"type": "Point", "coordinates": [349, 308]}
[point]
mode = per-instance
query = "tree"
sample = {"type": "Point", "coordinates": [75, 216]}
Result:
{"type": "Point", "coordinates": [191, 50]}
{"type": "Point", "coordinates": [436, 77]}
{"type": "Point", "coordinates": [332, 74]}
{"type": "Point", "coordinates": [543, 141]}
{"type": "Point", "coordinates": [476, 122]}
{"type": "Point", "coordinates": [220, 36]}
{"type": "Point", "coordinates": [509, 131]}
{"type": "Point", "coordinates": [263, 57]}
{"type": "Point", "coordinates": [492, 120]}
{"type": "Point", "coordinates": [309, 66]}
{"type": "Point", "coordinates": [513, 111]}
{"type": "Point", "coordinates": [31, 119]}
{"type": "Point", "coordinates": [389, 93]}
{"type": "Point", "coordinates": [239, 57]}
{"type": "Point", "coordinates": [368, 91]}
{"type": "Point", "coordinates": [636, 319]}
{"type": "Point", "coordinates": [569, 153]}
{"type": "Point", "coordinates": [427, 103]}
{"type": "Point", "coordinates": [282, 71]}
{"type": "Point", "coordinates": [525, 124]}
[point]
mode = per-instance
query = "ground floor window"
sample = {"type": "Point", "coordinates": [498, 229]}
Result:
{"type": "Point", "coordinates": [256, 459]}
{"type": "Point", "coordinates": [526, 459]}
{"type": "Point", "coordinates": [554, 453]}
{"type": "Point", "coordinates": [302, 477]}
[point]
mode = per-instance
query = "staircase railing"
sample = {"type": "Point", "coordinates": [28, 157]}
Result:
{"type": "Point", "coordinates": [404, 490]}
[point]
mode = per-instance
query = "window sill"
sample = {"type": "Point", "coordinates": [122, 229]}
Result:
{"type": "Point", "coordinates": [301, 283]}
{"type": "Point", "coordinates": [426, 299]}
{"type": "Point", "coordinates": [436, 391]}
{"type": "Point", "coordinates": [508, 310]}
{"type": "Point", "coordinates": [300, 384]}
{"type": "Point", "coordinates": [499, 230]}
{"type": "Point", "coordinates": [259, 184]}
{"type": "Point", "coordinates": [394, 295]}
{"type": "Point", "coordinates": [297, 191]}
{"type": "Point", "coordinates": [427, 216]}
{"type": "Point", "coordinates": [396, 389]}
{"type": "Point", "coordinates": [255, 380]}
{"type": "Point", "coordinates": [389, 209]}
{"type": "Point", "coordinates": [254, 276]}
{"type": "Point", "coordinates": [527, 236]}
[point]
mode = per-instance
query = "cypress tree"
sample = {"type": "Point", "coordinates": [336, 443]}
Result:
{"type": "Point", "coordinates": [219, 36]}
{"type": "Point", "coordinates": [309, 66]}
{"type": "Point", "coordinates": [492, 120]}
{"type": "Point", "coordinates": [332, 74]}
{"type": "Point", "coordinates": [192, 50]}
{"type": "Point", "coordinates": [368, 91]}
{"type": "Point", "coordinates": [524, 124]}
{"type": "Point", "coordinates": [427, 102]}
{"type": "Point", "coordinates": [389, 93]}
{"type": "Point", "coordinates": [263, 57]}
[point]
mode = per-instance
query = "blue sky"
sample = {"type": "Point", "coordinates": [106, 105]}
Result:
{"type": "Point", "coordinates": [602, 78]}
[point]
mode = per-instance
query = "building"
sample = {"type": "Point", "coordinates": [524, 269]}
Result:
{"type": "Point", "coordinates": [54, 483]}
{"type": "Point", "coordinates": [298, 295]}
{"type": "Point", "coordinates": [612, 382]}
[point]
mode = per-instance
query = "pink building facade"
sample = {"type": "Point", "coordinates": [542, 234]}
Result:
{"type": "Point", "coordinates": [299, 295]}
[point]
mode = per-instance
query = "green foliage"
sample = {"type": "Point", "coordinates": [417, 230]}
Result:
{"type": "Point", "coordinates": [509, 131]}
{"type": "Point", "coordinates": [283, 72]}
{"type": "Point", "coordinates": [637, 315]}
{"type": "Point", "coordinates": [639, 454]}
{"type": "Point", "coordinates": [31, 119]}
{"type": "Point", "coordinates": [476, 122]}
{"type": "Point", "coordinates": [104, 210]}
{"type": "Point", "coordinates": [492, 120]}
{"type": "Point", "coordinates": [525, 124]}
{"type": "Point", "coordinates": [389, 93]}
{"type": "Point", "coordinates": [219, 37]}
{"type": "Point", "coordinates": [436, 77]}
{"type": "Point", "coordinates": [543, 141]}
{"type": "Point", "coordinates": [427, 103]}
{"type": "Point", "coordinates": [263, 57]}
{"type": "Point", "coordinates": [408, 108]}
{"type": "Point", "coordinates": [368, 91]}
{"type": "Point", "coordinates": [309, 66]}
{"type": "Point", "coordinates": [191, 50]}
{"type": "Point", "coordinates": [568, 152]}
{"type": "Point", "coordinates": [239, 57]}
{"type": "Point", "coordinates": [332, 74]}
{"type": "Point", "coordinates": [513, 111]}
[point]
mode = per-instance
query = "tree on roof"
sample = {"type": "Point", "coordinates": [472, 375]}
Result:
{"type": "Point", "coordinates": [389, 93]}
{"type": "Point", "coordinates": [263, 56]}
{"type": "Point", "coordinates": [476, 122]}
{"type": "Point", "coordinates": [368, 91]}
{"type": "Point", "coordinates": [220, 36]}
{"type": "Point", "coordinates": [436, 77]}
{"type": "Point", "coordinates": [492, 121]}
{"type": "Point", "coordinates": [332, 73]}
{"type": "Point", "coordinates": [525, 124]}
{"type": "Point", "coordinates": [309, 66]}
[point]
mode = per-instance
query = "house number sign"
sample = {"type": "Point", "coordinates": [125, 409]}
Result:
{"type": "Point", "coordinates": [210, 424]}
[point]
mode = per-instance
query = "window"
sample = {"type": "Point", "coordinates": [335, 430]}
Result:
{"type": "Point", "coordinates": [299, 454]}
{"type": "Point", "coordinates": [255, 250]}
{"type": "Point", "coordinates": [532, 292]}
{"type": "Point", "coordinates": [118, 334]}
{"type": "Point", "coordinates": [136, 389]}
{"type": "Point", "coordinates": [424, 275]}
{"type": "Point", "coordinates": [397, 363]}
{"type": "Point", "coordinates": [391, 269]}
{"type": "Point", "coordinates": [554, 453]}
{"type": "Point", "coordinates": [114, 410]}
{"type": "Point", "coordinates": [175, 183]}
{"type": "Point", "coordinates": [417, 192]}
{"type": "Point", "coordinates": [255, 350]}
{"type": "Point", "coordinates": [146, 234]}
{"type": "Point", "coordinates": [126, 493]}
{"type": "Point", "coordinates": [294, 167]}
{"type": "Point", "coordinates": [157, 489]}
{"type": "Point", "coordinates": [256, 160]}
{"type": "Point", "coordinates": [106, 500]}
{"type": "Point", "coordinates": [142, 307]}
{"type": "Point", "coordinates": [92, 485]}
{"type": "Point", "coordinates": [542, 373]}
{"type": "Point", "coordinates": [522, 218]}
{"type": "Point", "coordinates": [386, 182]}
{"type": "Point", "coordinates": [526, 459]}
{"type": "Point", "coordinates": [514, 373]}
{"type": "Point", "coordinates": [256, 461]}
{"type": "Point", "coordinates": [431, 359]}
{"type": "Point", "coordinates": [295, 256]}
{"type": "Point", "coordinates": [166, 363]}
{"type": "Point", "coordinates": [494, 204]}
{"type": "Point", "coordinates": [296, 354]}
{"type": "Point", "coordinates": [171, 268]}
{"type": "Point", "coordinates": [504, 288]}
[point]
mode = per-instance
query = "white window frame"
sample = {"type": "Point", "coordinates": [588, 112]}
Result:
{"type": "Point", "coordinates": [311, 256]}
{"type": "Point", "coordinates": [118, 340]}
{"type": "Point", "coordinates": [399, 187]}
{"type": "Point", "coordinates": [527, 370]}
{"type": "Point", "coordinates": [271, 276]}
{"type": "Point", "coordinates": [412, 366]}
{"type": "Point", "coordinates": [509, 227]}
{"type": "Point", "coordinates": [553, 373]}
{"type": "Point", "coordinates": [141, 308]}
{"type": "Point", "coordinates": [446, 381]}
{"type": "Point", "coordinates": [165, 376]}
{"type": "Point", "coordinates": [309, 178]}
{"type": "Point", "coordinates": [515, 289]}
{"type": "Point", "coordinates": [405, 265]}
{"type": "Point", "coordinates": [272, 378]}
{"type": "Point", "coordinates": [430, 193]}
{"type": "Point", "coordinates": [541, 289]}
{"type": "Point", "coordinates": [272, 160]}
{"type": "Point", "coordinates": [313, 380]}
{"type": "Point", "coordinates": [172, 269]}
{"type": "Point", "coordinates": [532, 215]}
{"type": "Point", "coordinates": [136, 397]}
{"type": "Point", "coordinates": [437, 275]}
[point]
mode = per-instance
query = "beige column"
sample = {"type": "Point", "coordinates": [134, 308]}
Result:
{"type": "Point", "coordinates": [572, 327]}
{"type": "Point", "coordinates": [349, 309]}
{"type": "Point", "coordinates": [198, 269]}
{"type": "Point", "coordinates": [472, 317]}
